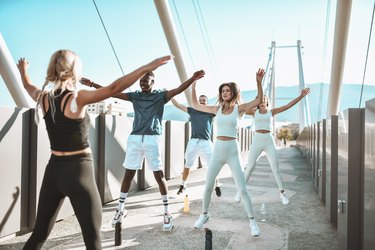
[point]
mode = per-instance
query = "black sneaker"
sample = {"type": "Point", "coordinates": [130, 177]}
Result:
{"type": "Point", "coordinates": [181, 189]}
{"type": "Point", "coordinates": [218, 191]}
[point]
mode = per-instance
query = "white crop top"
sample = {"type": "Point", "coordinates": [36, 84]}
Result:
{"type": "Point", "coordinates": [227, 124]}
{"type": "Point", "coordinates": [262, 121]}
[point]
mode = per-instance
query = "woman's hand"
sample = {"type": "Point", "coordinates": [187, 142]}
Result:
{"type": "Point", "coordinates": [32, 90]}
{"type": "Point", "coordinates": [22, 64]}
{"type": "Point", "coordinates": [259, 75]}
{"type": "Point", "coordinates": [305, 92]}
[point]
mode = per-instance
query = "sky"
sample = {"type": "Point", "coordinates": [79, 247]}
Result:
{"type": "Point", "coordinates": [234, 43]}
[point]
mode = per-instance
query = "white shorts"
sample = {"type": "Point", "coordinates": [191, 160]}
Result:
{"type": "Point", "coordinates": [198, 148]}
{"type": "Point", "coordinates": [148, 146]}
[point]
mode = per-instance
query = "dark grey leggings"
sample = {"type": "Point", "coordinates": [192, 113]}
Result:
{"type": "Point", "coordinates": [71, 176]}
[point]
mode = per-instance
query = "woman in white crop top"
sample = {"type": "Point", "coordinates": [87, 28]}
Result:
{"type": "Point", "coordinates": [226, 146]}
{"type": "Point", "coordinates": [263, 141]}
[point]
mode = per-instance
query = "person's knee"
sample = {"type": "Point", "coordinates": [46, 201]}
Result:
{"type": "Point", "coordinates": [243, 191]}
{"type": "Point", "coordinates": [209, 189]}
{"type": "Point", "coordinates": [159, 176]}
{"type": "Point", "coordinates": [129, 175]}
{"type": "Point", "coordinates": [209, 186]}
{"type": "Point", "coordinates": [250, 167]}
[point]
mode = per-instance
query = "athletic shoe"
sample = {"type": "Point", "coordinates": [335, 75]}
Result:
{"type": "Point", "coordinates": [203, 218]}
{"type": "Point", "coordinates": [181, 189]}
{"type": "Point", "coordinates": [254, 229]}
{"type": "Point", "coordinates": [237, 198]}
{"type": "Point", "coordinates": [168, 222]}
{"type": "Point", "coordinates": [284, 198]}
{"type": "Point", "coordinates": [119, 216]}
{"type": "Point", "coordinates": [218, 191]}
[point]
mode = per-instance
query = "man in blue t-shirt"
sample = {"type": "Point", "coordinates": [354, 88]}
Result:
{"type": "Point", "coordinates": [200, 144]}
{"type": "Point", "coordinates": [145, 138]}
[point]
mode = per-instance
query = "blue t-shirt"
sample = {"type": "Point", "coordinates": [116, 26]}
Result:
{"type": "Point", "coordinates": [148, 111]}
{"type": "Point", "coordinates": [201, 124]}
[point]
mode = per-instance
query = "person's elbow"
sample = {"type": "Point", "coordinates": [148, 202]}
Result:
{"type": "Point", "coordinates": [258, 101]}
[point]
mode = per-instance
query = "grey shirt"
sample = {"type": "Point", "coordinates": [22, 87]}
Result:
{"type": "Point", "coordinates": [201, 124]}
{"type": "Point", "coordinates": [148, 111]}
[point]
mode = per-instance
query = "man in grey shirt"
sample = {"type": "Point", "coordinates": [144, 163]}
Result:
{"type": "Point", "coordinates": [200, 144]}
{"type": "Point", "coordinates": [145, 138]}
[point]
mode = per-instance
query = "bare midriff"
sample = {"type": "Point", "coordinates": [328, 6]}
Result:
{"type": "Point", "coordinates": [262, 131]}
{"type": "Point", "coordinates": [225, 138]}
{"type": "Point", "coordinates": [62, 153]}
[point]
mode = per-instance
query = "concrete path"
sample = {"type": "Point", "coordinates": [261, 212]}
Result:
{"type": "Point", "coordinates": [300, 225]}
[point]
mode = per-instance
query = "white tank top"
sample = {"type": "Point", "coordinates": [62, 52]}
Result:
{"type": "Point", "coordinates": [227, 124]}
{"type": "Point", "coordinates": [262, 121]}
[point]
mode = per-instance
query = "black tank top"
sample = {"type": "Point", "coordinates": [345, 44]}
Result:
{"type": "Point", "coordinates": [66, 134]}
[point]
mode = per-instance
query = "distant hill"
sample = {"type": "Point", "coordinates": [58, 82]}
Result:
{"type": "Point", "coordinates": [350, 99]}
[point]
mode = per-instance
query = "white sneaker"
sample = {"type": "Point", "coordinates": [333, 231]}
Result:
{"type": "Point", "coordinates": [237, 198]}
{"type": "Point", "coordinates": [254, 229]}
{"type": "Point", "coordinates": [119, 216]}
{"type": "Point", "coordinates": [203, 218]}
{"type": "Point", "coordinates": [284, 198]}
{"type": "Point", "coordinates": [168, 222]}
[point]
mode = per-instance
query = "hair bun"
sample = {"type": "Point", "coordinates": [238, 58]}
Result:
{"type": "Point", "coordinates": [65, 75]}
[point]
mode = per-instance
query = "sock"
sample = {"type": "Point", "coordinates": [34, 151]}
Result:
{"type": "Point", "coordinates": [217, 183]}
{"type": "Point", "coordinates": [183, 183]}
{"type": "Point", "coordinates": [165, 203]}
{"type": "Point", "coordinates": [121, 201]}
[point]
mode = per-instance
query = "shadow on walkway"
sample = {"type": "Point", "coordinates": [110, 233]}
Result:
{"type": "Point", "coordinates": [300, 225]}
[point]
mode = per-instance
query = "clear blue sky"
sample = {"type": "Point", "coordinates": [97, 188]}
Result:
{"type": "Point", "coordinates": [240, 32]}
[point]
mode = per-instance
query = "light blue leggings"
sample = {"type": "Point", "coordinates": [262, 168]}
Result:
{"type": "Point", "coordinates": [226, 152]}
{"type": "Point", "coordinates": [266, 143]}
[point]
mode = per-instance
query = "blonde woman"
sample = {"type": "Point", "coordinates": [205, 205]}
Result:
{"type": "Point", "coordinates": [226, 146]}
{"type": "Point", "coordinates": [263, 141]}
{"type": "Point", "coordinates": [69, 172]}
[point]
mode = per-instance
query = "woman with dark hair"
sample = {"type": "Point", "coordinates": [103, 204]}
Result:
{"type": "Point", "coordinates": [70, 172]}
{"type": "Point", "coordinates": [225, 149]}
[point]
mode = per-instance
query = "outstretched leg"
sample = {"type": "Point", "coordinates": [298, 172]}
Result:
{"type": "Point", "coordinates": [254, 153]}
{"type": "Point", "coordinates": [86, 203]}
{"type": "Point", "coordinates": [163, 188]}
{"type": "Point", "coordinates": [256, 149]}
{"type": "Point", "coordinates": [50, 201]}
{"type": "Point", "coordinates": [125, 186]}
{"type": "Point", "coordinates": [273, 158]}
{"type": "Point", "coordinates": [185, 175]}
{"type": "Point", "coordinates": [235, 165]}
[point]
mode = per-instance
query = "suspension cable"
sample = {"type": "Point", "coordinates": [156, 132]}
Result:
{"type": "Point", "coordinates": [183, 34]}
{"type": "Point", "coordinates": [368, 49]}
{"type": "Point", "coordinates": [204, 38]}
{"type": "Point", "coordinates": [109, 38]}
{"type": "Point", "coordinates": [321, 94]}
{"type": "Point", "coordinates": [208, 38]}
